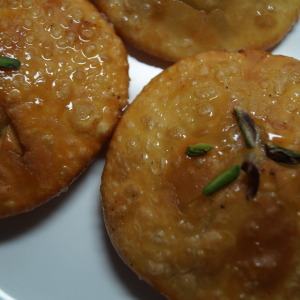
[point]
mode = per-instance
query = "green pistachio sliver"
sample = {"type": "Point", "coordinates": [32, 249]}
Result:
{"type": "Point", "coordinates": [247, 126]}
{"type": "Point", "coordinates": [9, 63]}
{"type": "Point", "coordinates": [250, 167]}
{"type": "Point", "coordinates": [222, 180]}
{"type": "Point", "coordinates": [198, 149]}
{"type": "Point", "coordinates": [281, 154]}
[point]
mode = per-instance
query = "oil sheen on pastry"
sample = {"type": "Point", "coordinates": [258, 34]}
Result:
{"type": "Point", "coordinates": [190, 239]}
{"type": "Point", "coordinates": [60, 106]}
{"type": "Point", "coordinates": [173, 29]}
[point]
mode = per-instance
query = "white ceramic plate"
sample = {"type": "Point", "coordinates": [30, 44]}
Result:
{"type": "Point", "coordinates": [60, 251]}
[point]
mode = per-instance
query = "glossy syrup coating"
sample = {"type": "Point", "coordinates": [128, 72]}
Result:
{"type": "Point", "coordinates": [223, 246]}
{"type": "Point", "coordinates": [173, 29]}
{"type": "Point", "coordinates": [61, 105]}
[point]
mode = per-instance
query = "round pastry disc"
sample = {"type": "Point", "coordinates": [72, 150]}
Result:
{"type": "Point", "coordinates": [173, 29]}
{"type": "Point", "coordinates": [242, 241]}
{"type": "Point", "coordinates": [61, 105]}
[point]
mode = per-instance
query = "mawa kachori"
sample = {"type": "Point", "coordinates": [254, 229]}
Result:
{"type": "Point", "coordinates": [173, 29]}
{"type": "Point", "coordinates": [60, 106]}
{"type": "Point", "coordinates": [201, 193]}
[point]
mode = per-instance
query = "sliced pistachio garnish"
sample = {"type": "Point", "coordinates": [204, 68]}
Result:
{"type": "Point", "coordinates": [9, 63]}
{"type": "Point", "coordinates": [246, 125]}
{"type": "Point", "coordinates": [222, 180]}
{"type": "Point", "coordinates": [198, 149]}
{"type": "Point", "coordinates": [250, 166]}
{"type": "Point", "coordinates": [281, 154]}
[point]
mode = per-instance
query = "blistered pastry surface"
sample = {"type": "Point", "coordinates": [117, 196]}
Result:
{"type": "Point", "coordinates": [225, 246]}
{"type": "Point", "coordinates": [58, 109]}
{"type": "Point", "coordinates": [172, 29]}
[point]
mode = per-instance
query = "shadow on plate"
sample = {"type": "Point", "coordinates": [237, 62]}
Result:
{"type": "Point", "coordinates": [146, 58]}
{"type": "Point", "coordinates": [14, 226]}
{"type": "Point", "coordinates": [138, 288]}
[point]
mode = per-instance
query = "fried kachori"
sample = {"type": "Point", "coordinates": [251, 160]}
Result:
{"type": "Point", "coordinates": [200, 191]}
{"type": "Point", "coordinates": [59, 106]}
{"type": "Point", "coordinates": [173, 29]}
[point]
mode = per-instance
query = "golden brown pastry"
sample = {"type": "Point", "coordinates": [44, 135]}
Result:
{"type": "Point", "coordinates": [60, 106]}
{"type": "Point", "coordinates": [173, 29]}
{"type": "Point", "coordinates": [188, 234]}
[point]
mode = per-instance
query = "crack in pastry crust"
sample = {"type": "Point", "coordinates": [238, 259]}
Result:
{"type": "Point", "coordinates": [62, 104]}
